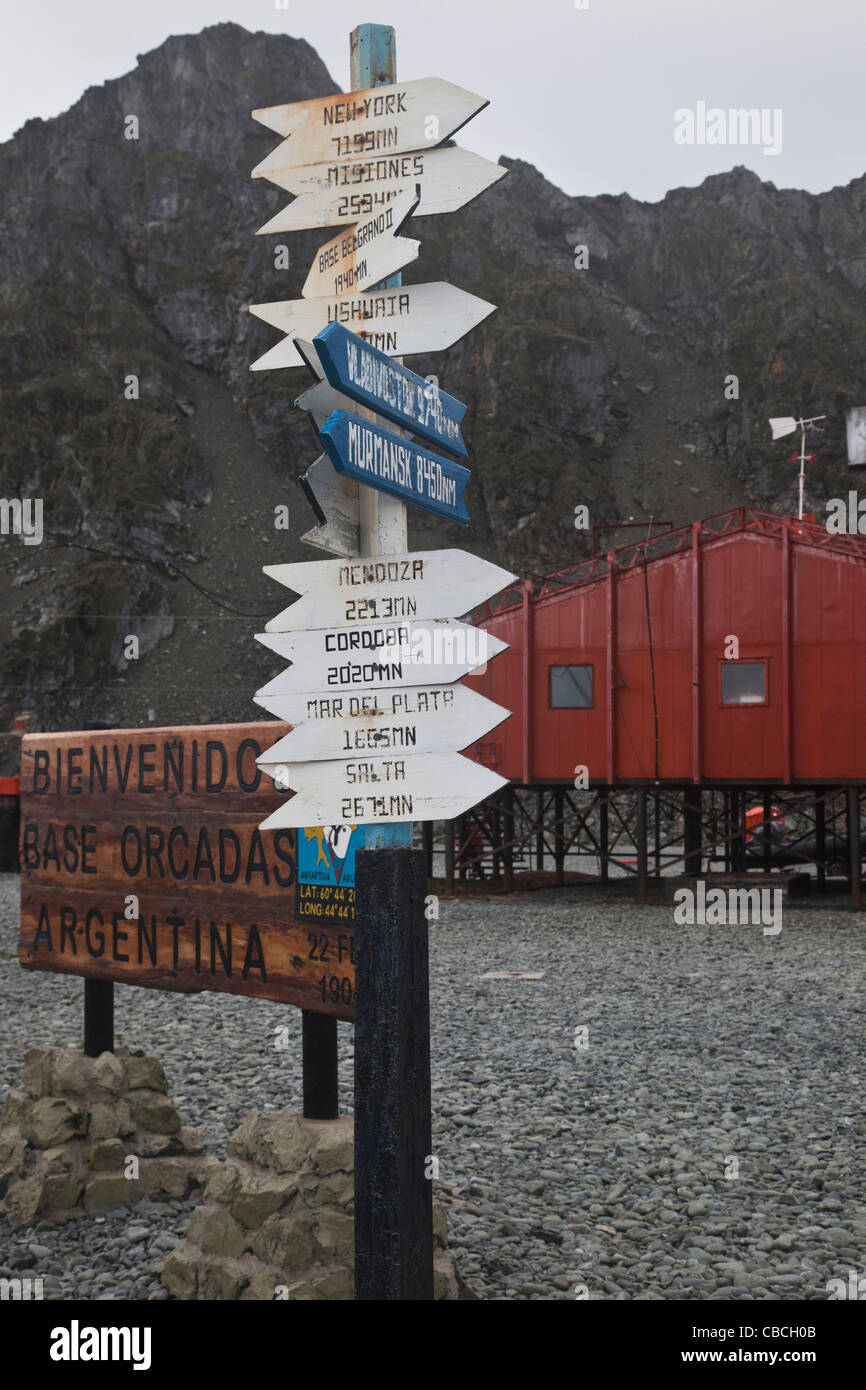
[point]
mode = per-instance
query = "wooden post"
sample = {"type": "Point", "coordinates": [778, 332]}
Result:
{"type": "Point", "coordinates": [854, 847]}
{"type": "Point", "coordinates": [393, 1198]}
{"type": "Point", "coordinates": [384, 529]}
{"type": "Point", "coordinates": [98, 1003]}
{"type": "Point", "coordinates": [427, 841]}
{"type": "Point", "coordinates": [98, 1017]}
{"type": "Point", "coordinates": [393, 1195]}
{"type": "Point", "coordinates": [319, 1066]}
{"type": "Point", "coordinates": [657, 843]}
{"type": "Point", "coordinates": [539, 832]}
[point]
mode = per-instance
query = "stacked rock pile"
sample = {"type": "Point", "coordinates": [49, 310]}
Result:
{"type": "Point", "coordinates": [92, 1134]}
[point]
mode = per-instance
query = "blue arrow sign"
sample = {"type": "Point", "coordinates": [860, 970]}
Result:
{"type": "Point", "coordinates": [377, 381]}
{"type": "Point", "coordinates": [390, 463]}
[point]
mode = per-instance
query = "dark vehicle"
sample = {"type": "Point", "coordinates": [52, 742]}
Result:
{"type": "Point", "coordinates": [787, 849]}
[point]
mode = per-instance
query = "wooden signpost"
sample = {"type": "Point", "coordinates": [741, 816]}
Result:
{"type": "Point", "coordinates": [143, 862]}
{"type": "Point", "coordinates": [403, 321]}
{"type": "Point", "coordinates": [367, 253]}
{"type": "Point", "coordinates": [368, 790]}
{"type": "Point", "coordinates": [424, 584]}
{"type": "Point", "coordinates": [330, 195]}
{"type": "Point", "coordinates": [374, 641]}
{"type": "Point", "coordinates": [420, 719]}
{"type": "Point", "coordinates": [387, 118]}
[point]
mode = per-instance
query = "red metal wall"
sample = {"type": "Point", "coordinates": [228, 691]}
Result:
{"type": "Point", "coordinates": [786, 592]}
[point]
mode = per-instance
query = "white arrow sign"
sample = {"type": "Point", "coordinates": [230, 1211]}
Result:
{"type": "Point", "coordinates": [378, 656]}
{"type": "Point", "coordinates": [402, 116]}
{"type": "Point", "coordinates": [334, 500]}
{"type": "Point", "coordinates": [420, 719]}
{"type": "Point", "coordinates": [376, 791]}
{"type": "Point", "coordinates": [402, 322]}
{"type": "Point", "coordinates": [365, 254]}
{"type": "Point", "coordinates": [425, 584]}
{"type": "Point", "coordinates": [332, 194]}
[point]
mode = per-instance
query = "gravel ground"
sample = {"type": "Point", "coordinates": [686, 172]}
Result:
{"type": "Point", "coordinates": [705, 1142]}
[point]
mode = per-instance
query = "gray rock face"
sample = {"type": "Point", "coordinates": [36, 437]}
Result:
{"type": "Point", "coordinates": [601, 386]}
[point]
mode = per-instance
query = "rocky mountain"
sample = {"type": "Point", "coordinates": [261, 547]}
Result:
{"type": "Point", "coordinates": [602, 385]}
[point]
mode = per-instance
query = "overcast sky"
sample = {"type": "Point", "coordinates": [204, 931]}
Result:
{"type": "Point", "coordinates": [587, 95]}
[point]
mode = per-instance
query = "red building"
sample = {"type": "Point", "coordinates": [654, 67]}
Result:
{"type": "Point", "coordinates": [729, 651]}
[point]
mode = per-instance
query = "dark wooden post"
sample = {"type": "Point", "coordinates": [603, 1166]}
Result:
{"type": "Point", "coordinates": [539, 829]}
{"type": "Point", "coordinates": [642, 877]}
{"type": "Point", "coordinates": [427, 842]}
{"type": "Point", "coordinates": [854, 847]}
{"type": "Point", "coordinates": [393, 1196]}
{"type": "Point", "coordinates": [319, 1065]}
{"type": "Point", "coordinates": [98, 1017]}
{"type": "Point", "coordinates": [98, 1000]}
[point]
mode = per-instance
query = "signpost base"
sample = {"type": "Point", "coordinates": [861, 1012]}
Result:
{"type": "Point", "coordinates": [319, 1043]}
{"type": "Point", "coordinates": [393, 1192]}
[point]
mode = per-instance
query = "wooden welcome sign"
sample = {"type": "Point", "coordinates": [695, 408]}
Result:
{"type": "Point", "coordinates": [142, 861]}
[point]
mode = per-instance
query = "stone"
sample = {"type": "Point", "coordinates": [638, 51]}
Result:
{"type": "Point", "coordinates": [105, 1191]}
{"type": "Point", "coordinates": [286, 1242]}
{"type": "Point", "coordinates": [36, 1072]}
{"type": "Point", "coordinates": [440, 1226]}
{"type": "Point", "coordinates": [179, 1274]}
{"type": "Point", "coordinates": [145, 1074]}
{"type": "Point", "coordinates": [259, 1197]}
{"type": "Point", "coordinates": [17, 1109]}
{"type": "Point", "coordinates": [54, 1121]}
{"type": "Point", "coordinates": [109, 1073]}
{"type": "Point", "coordinates": [62, 1191]}
{"type": "Point", "coordinates": [334, 1151]}
{"type": "Point", "coordinates": [337, 1190]}
{"type": "Point", "coordinates": [72, 1073]}
{"type": "Point", "coordinates": [216, 1231]}
{"type": "Point", "coordinates": [155, 1112]}
{"type": "Point", "coordinates": [281, 1142]}
{"type": "Point", "coordinates": [13, 1147]}
{"type": "Point", "coordinates": [170, 1176]}
{"type": "Point", "coordinates": [263, 1285]}
{"type": "Point", "coordinates": [160, 1145]}
{"type": "Point", "coordinates": [107, 1155]}
{"type": "Point", "coordinates": [335, 1233]}
{"type": "Point", "coordinates": [223, 1280]}
{"type": "Point", "coordinates": [335, 1286]}
{"type": "Point", "coordinates": [110, 1119]}
{"type": "Point", "coordinates": [25, 1198]}
{"type": "Point", "coordinates": [242, 1143]}
{"type": "Point", "coordinates": [222, 1180]}
{"type": "Point", "coordinates": [190, 1140]}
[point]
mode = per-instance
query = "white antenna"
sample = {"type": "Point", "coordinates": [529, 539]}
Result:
{"type": "Point", "coordinates": [786, 424]}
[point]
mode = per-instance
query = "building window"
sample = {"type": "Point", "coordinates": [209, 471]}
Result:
{"type": "Point", "coordinates": [571, 687]}
{"type": "Point", "coordinates": [744, 682]}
